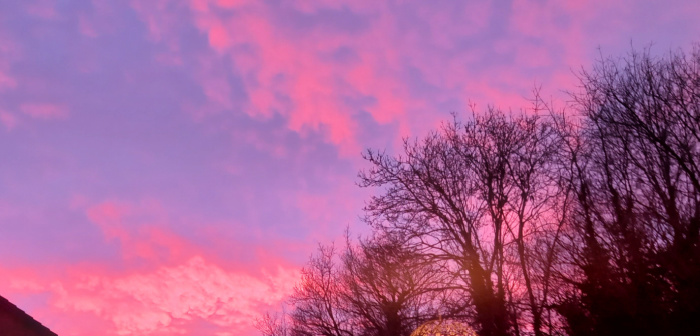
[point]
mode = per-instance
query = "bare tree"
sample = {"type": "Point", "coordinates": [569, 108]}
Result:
{"type": "Point", "coordinates": [564, 224]}
{"type": "Point", "coordinates": [318, 309]}
{"type": "Point", "coordinates": [377, 287]}
{"type": "Point", "coordinates": [477, 194]}
{"type": "Point", "coordinates": [638, 214]}
{"type": "Point", "coordinates": [391, 288]}
{"type": "Point", "coordinates": [273, 324]}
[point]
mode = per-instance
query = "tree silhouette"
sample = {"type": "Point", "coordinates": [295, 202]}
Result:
{"type": "Point", "coordinates": [639, 212]}
{"type": "Point", "coordinates": [377, 287]}
{"type": "Point", "coordinates": [479, 194]}
{"type": "Point", "coordinates": [577, 222]}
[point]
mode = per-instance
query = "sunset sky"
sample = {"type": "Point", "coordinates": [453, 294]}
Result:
{"type": "Point", "coordinates": [167, 166]}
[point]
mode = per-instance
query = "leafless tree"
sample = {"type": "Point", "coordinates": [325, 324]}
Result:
{"type": "Point", "coordinates": [637, 180]}
{"type": "Point", "coordinates": [577, 222]}
{"type": "Point", "coordinates": [273, 324]}
{"type": "Point", "coordinates": [318, 309]}
{"type": "Point", "coordinates": [480, 194]}
{"type": "Point", "coordinates": [376, 287]}
{"type": "Point", "coordinates": [392, 289]}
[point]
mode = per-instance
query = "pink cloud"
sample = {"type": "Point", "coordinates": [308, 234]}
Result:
{"type": "Point", "coordinates": [169, 294]}
{"type": "Point", "coordinates": [218, 36]}
{"type": "Point", "coordinates": [8, 119]}
{"type": "Point", "coordinates": [166, 300]}
{"type": "Point", "coordinates": [233, 3]}
{"type": "Point", "coordinates": [9, 53]}
{"type": "Point", "coordinates": [44, 9]}
{"type": "Point", "coordinates": [140, 230]}
{"type": "Point", "coordinates": [98, 18]}
{"type": "Point", "coordinates": [162, 20]}
{"type": "Point", "coordinates": [162, 301]}
{"type": "Point", "coordinates": [6, 81]}
{"type": "Point", "coordinates": [44, 111]}
{"type": "Point", "coordinates": [86, 27]}
{"type": "Point", "coordinates": [286, 73]}
{"type": "Point", "coordinates": [143, 231]}
{"type": "Point", "coordinates": [309, 94]}
{"type": "Point", "coordinates": [531, 56]}
{"type": "Point", "coordinates": [158, 27]}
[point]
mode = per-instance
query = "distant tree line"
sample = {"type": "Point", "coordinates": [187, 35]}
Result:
{"type": "Point", "coordinates": [579, 221]}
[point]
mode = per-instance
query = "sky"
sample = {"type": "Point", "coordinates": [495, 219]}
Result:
{"type": "Point", "coordinates": [168, 166]}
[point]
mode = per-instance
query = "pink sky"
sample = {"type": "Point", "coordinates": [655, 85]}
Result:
{"type": "Point", "coordinates": [169, 165]}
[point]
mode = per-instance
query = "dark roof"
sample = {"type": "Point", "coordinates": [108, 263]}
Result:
{"type": "Point", "coordinates": [15, 322]}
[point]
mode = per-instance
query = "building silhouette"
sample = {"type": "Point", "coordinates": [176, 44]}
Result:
{"type": "Point", "coordinates": [15, 322]}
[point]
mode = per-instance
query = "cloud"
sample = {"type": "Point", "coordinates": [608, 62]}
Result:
{"type": "Point", "coordinates": [281, 57]}
{"type": "Point", "coordinates": [140, 229]}
{"type": "Point", "coordinates": [164, 286]}
{"type": "Point", "coordinates": [8, 119]}
{"type": "Point", "coordinates": [162, 301]}
{"type": "Point", "coordinates": [179, 288]}
{"type": "Point", "coordinates": [44, 9]}
{"type": "Point", "coordinates": [44, 111]}
{"type": "Point", "coordinates": [6, 81]}
{"type": "Point", "coordinates": [168, 299]}
{"type": "Point", "coordinates": [320, 65]}
{"type": "Point", "coordinates": [9, 53]}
